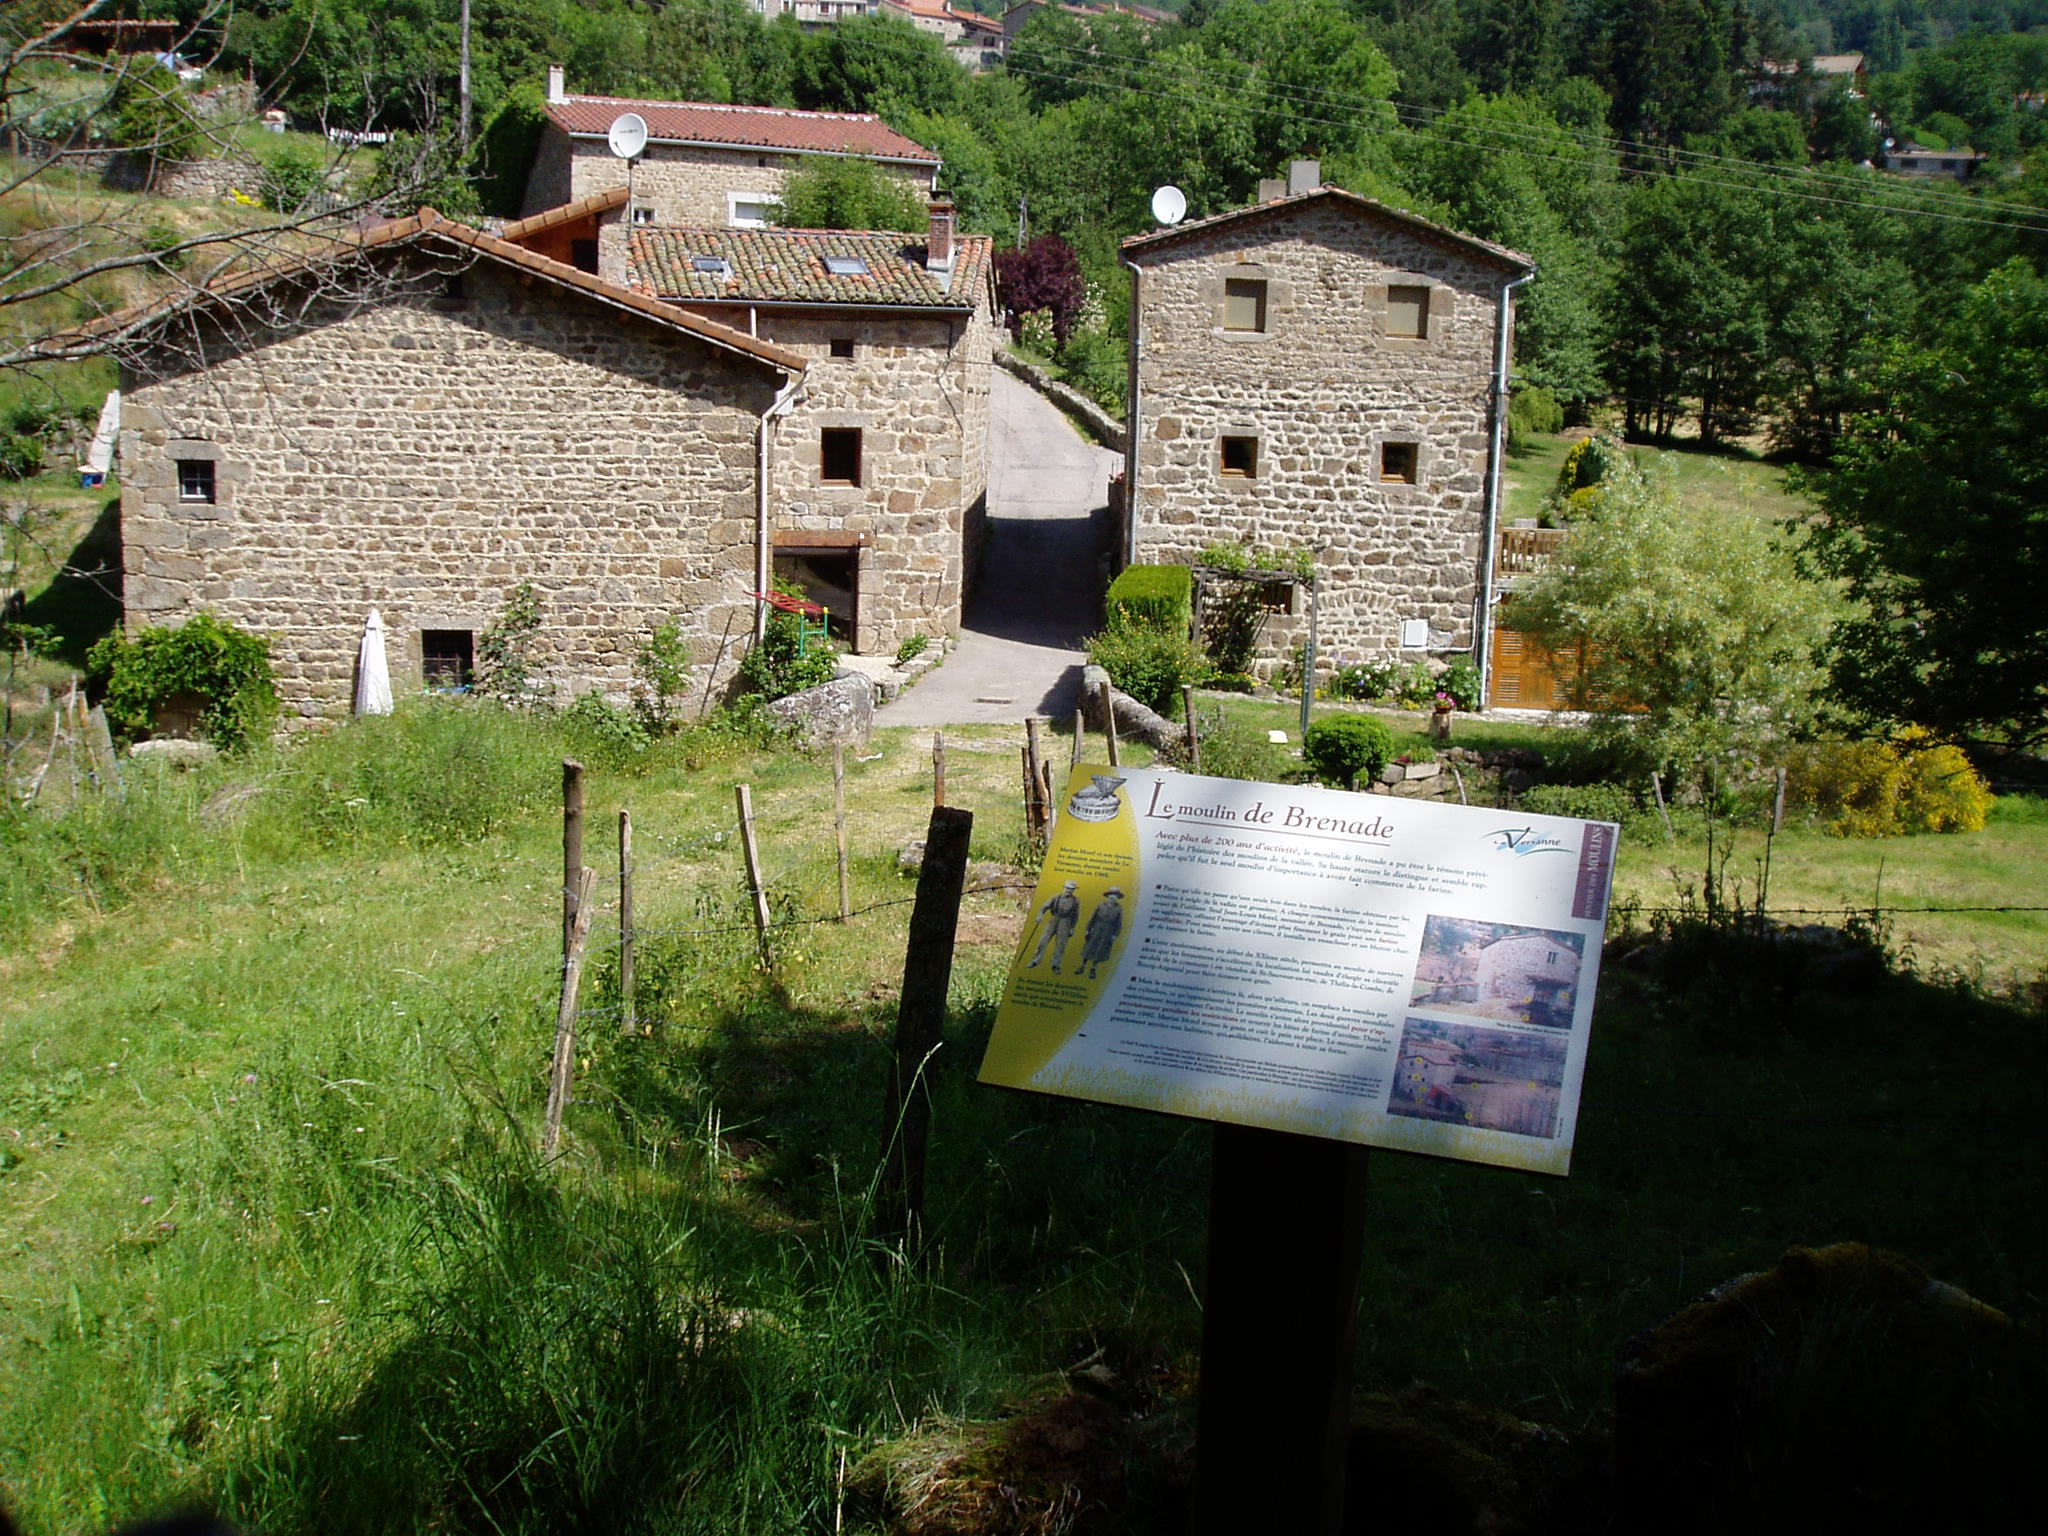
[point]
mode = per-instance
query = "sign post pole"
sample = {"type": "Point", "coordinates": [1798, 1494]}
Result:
{"type": "Point", "coordinates": [1279, 1313]}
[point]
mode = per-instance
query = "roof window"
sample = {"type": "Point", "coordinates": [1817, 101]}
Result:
{"type": "Point", "coordinates": [717, 266]}
{"type": "Point", "coordinates": [846, 266]}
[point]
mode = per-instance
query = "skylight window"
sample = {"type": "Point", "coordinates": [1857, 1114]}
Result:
{"type": "Point", "coordinates": [717, 266]}
{"type": "Point", "coordinates": [846, 266]}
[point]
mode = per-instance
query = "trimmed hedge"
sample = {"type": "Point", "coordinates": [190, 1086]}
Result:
{"type": "Point", "coordinates": [1160, 597]}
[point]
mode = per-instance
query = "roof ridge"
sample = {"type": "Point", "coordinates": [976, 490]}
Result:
{"type": "Point", "coordinates": [718, 106]}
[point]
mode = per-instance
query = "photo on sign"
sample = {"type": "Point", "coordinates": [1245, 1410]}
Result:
{"type": "Point", "coordinates": [1498, 971]}
{"type": "Point", "coordinates": [1490, 1079]}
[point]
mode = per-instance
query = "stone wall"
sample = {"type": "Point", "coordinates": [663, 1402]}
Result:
{"type": "Point", "coordinates": [423, 455]}
{"type": "Point", "coordinates": [1321, 390]}
{"type": "Point", "coordinates": [682, 185]}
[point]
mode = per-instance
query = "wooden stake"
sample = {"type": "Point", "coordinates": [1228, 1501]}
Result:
{"type": "Point", "coordinates": [628, 1020]}
{"type": "Point", "coordinates": [572, 845]}
{"type": "Point", "coordinates": [1080, 735]}
{"type": "Point", "coordinates": [938, 767]}
{"type": "Point", "coordinates": [1657, 789]}
{"type": "Point", "coordinates": [920, 1024]}
{"type": "Point", "coordinates": [1034, 806]}
{"type": "Point", "coordinates": [1187, 704]}
{"type": "Point", "coordinates": [1778, 806]}
{"type": "Point", "coordinates": [839, 829]}
{"type": "Point", "coordinates": [1045, 800]}
{"type": "Point", "coordinates": [745, 797]}
{"type": "Point", "coordinates": [563, 1075]}
{"type": "Point", "coordinates": [1109, 721]}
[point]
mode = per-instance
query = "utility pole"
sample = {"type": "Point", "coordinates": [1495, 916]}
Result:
{"type": "Point", "coordinates": [462, 89]}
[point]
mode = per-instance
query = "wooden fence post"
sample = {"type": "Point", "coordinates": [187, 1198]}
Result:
{"type": "Point", "coordinates": [938, 767]}
{"type": "Point", "coordinates": [1034, 804]}
{"type": "Point", "coordinates": [563, 1074]}
{"type": "Point", "coordinates": [839, 829]}
{"type": "Point", "coordinates": [628, 1006]}
{"type": "Point", "coordinates": [572, 846]}
{"type": "Point", "coordinates": [745, 797]}
{"type": "Point", "coordinates": [1187, 704]}
{"type": "Point", "coordinates": [920, 1024]}
{"type": "Point", "coordinates": [1109, 720]}
{"type": "Point", "coordinates": [1778, 806]}
{"type": "Point", "coordinates": [1080, 735]}
{"type": "Point", "coordinates": [1657, 789]}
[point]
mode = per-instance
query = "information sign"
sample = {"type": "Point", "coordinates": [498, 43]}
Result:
{"type": "Point", "coordinates": [1365, 968]}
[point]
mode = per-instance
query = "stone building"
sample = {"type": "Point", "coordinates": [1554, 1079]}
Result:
{"type": "Point", "coordinates": [419, 421]}
{"type": "Point", "coordinates": [705, 164]}
{"type": "Point", "coordinates": [1318, 370]}
{"type": "Point", "coordinates": [881, 468]}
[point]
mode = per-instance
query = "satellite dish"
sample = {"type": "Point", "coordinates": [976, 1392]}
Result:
{"type": "Point", "coordinates": [628, 135]}
{"type": "Point", "coordinates": [1169, 205]}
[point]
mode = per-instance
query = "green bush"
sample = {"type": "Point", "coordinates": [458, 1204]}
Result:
{"type": "Point", "coordinates": [1150, 665]}
{"type": "Point", "coordinates": [227, 669]}
{"type": "Point", "coordinates": [1533, 412]}
{"type": "Point", "coordinates": [293, 175]}
{"type": "Point", "coordinates": [603, 735]}
{"type": "Point", "coordinates": [1097, 364]}
{"type": "Point", "coordinates": [1587, 802]}
{"type": "Point", "coordinates": [1231, 682]}
{"type": "Point", "coordinates": [1415, 685]}
{"type": "Point", "coordinates": [783, 661]}
{"type": "Point", "coordinates": [1234, 748]}
{"type": "Point", "coordinates": [1884, 788]}
{"type": "Point", "coordinates": [661, 677]}
{"type": "Point", "coordinates": [1160, 597]}
{"type": "Point", "coordinates": [912, 647]}
{"type": "Point", "coordinates": [21, 457]}
{"type": "Point", "coordinates": [1461, 681]}
{"type": "Point", "coordinates": [1344, 748]}
{"type": "Point", "coordinates": [504, 651]}
{"type": "Point", "coordinates": [1364, 679]}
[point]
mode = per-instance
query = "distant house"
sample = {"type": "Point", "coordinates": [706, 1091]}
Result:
{"type": "Point", "coordinates": [705, 163]}
{"type": "Point", "coordinates": [1780, 80]}
{"type": "Point", "coordinates": [1319, 370]}
{"type": "Point", "coordinates": [420, 419]}
{"type": "Point", "coordinates": [1911, 159]}
{"type": "Point", "coordinates": [1018, 17]}
{"type": "Point", "coordinates": [977, 41]}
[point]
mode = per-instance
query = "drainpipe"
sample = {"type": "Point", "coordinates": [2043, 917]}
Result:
{"type": "Point", "coordinates": [777, 408]}
{"type": "Point", "coordinates": [1130, 550]}
{"type": "Point", "coordinates": [1496, 450]}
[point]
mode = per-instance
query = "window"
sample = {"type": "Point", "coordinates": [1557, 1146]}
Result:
{"type": "Point", "coordinates": [751, 210]}
{"type": "Point", "coordinates": [839, 455]}
{"type": "Point", "coordinates": [1277, 596]}
{"type": "Point", "coordinates": [1244, 304]}
{"type": "Point", "coordinates": [829, 577]}
{"type": "Point", "coordinates": [643, 213]}
{"type": "Point", "coordinates": [1408, 310]}
{"type": "Point", "coordinates": [842, 346]}
{"type": "Point", "coordinates": [583, 255]}
{"type": "Point", "coordinates": [1397, 462]}
{"type": "Point", "coordinates": [195, 480]}
{"type": "Point", "coordinates": [1240, 458]}
{"type": "Point", "coordinates": [711, 266]}
{"type": "Point", "coordinates": [447, 659]}
{"type": "Point", "coordinates": [846, 266]}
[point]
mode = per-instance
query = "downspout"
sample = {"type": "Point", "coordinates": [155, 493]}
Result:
{"type": "Point", "coordinates": [1496, 450]}
{"type": "Point", "coordinates": [1130, 549]}
{"type": "Point", "coordinates": [777, 408]}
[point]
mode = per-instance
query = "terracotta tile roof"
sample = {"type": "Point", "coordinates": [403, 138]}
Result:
{"type": "Point", "coordinates": [135, 324]}
{"type": "Point", "coordinates": [516, 230]}
{"type": "Point", "coordinates": [789, 266]}
{"type": "Point", "coordinates": [700, 122]}
{"type": "Point", "coordinates": [1137, 245]}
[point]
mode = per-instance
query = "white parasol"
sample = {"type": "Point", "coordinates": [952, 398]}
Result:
{"type": "Point", "coordinates": [373, 672]}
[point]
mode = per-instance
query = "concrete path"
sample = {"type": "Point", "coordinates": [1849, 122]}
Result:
{"type": "Point", "coordinates": [1041, 576]}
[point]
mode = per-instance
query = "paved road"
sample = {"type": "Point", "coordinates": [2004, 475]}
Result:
{"type": "Point", "coordinates": [1041, 577]}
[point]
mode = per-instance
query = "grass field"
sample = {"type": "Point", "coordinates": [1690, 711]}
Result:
{"type": "Point", "coordinates": [1723, 483]}
{"type": "Point", "coordinates": [272, 1236]}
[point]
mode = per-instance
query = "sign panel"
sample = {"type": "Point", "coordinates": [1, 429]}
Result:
{"type": "Point", "coordinates": [1366, 968]}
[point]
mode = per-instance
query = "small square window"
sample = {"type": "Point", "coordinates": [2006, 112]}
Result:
{"type": "Point", "coordinates": [447, 659]}
{"type": "Point", "coordinates": [1244, 304]}
{"type": "Point", "coordinates": [643, 213]}
{"type": "Point", "coordinates": [842, 346]}
{"type": "Point", "coordinates": [1277, 597]}
{"type": "Point", "coordinates": [583, 255]}
{"type": "Point", "coordinates": [839, 455]}
{"type": "Point", "coordinates": [1408, 310]}
{"type": "Point", "coordinates": [1240, 457]}
{"type": "Point", "coordinates": [1397, 462]}
{"type": "Point", "coordinates": [195, 480]}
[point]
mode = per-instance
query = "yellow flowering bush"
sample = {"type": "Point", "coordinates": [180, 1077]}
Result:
{"type": "Point", "coordinates": [1885, 788]}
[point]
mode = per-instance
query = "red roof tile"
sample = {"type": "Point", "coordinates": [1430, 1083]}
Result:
{"type": "Point", "coordinates": [765, 266]}
{"type": "Point", "coordinates": [699, 122]}
{"type": "Point", "coordinates": [1137, 245]}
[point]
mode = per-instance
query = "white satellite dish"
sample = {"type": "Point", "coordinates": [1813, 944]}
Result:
{"type": "Point", "coordinates": [628, 135]}
{"type": "Point", "coordinates": [1169, 205]}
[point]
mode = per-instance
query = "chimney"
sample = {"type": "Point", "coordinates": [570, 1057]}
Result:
{"type": "Point", "coordinates": [1271, 190]}
{"type": "Point", "coordinates": [557, 93]}
{"type": "Point", "coordinates": [1303, 176]}
{"type": "Point", "coordinates": [938, 246]}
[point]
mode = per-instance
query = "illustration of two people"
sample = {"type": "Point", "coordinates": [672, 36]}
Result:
{"type": "Point", "coordinates": [1061, 915]}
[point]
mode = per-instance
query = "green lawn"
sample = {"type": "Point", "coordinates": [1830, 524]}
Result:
{"type": "Point", "coordinates": [1726, 483]}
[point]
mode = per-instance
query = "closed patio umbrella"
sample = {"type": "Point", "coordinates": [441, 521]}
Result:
{"type": "Point", "coordinates": [373, 673]}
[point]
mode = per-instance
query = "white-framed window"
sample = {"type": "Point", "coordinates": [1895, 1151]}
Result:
{"type": "Point", "coordinates": [751, 210]}
{"type": "Point", "coordinates": [195, 481]}
{"type": "Point", "coordinates": [643, 213]}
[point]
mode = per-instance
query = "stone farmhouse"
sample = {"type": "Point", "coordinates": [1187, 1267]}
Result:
{"type": "Point", "coordinates": [422, 418]}
{"type": "Point", "coordinates": [1319, 370]}
{"type": "Point", "coordinates": [705, 164]}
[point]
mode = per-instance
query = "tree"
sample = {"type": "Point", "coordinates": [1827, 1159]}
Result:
{"type": "Point", "coordinates": [1935, 517]}
{"type": "Point", "coordinates": [1046, 275]}
{"type": "Point", "coordinates": [1697, 631]}
{"type": "Point", "coordinates": [847, 192]}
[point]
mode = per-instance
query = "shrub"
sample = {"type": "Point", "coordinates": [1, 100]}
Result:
{"type": "Point", "coordinates": [783, 661]}
{"type": "Point", "coordinates": [1533, 411]}
{"type": "Point", "coordinates": [1157, 597]}
{"type": "Point", "coordinates": [1231, 682]}
{"type": "Point", "coordinates": [1415, 685]}
{"type": "Point", "coordinates": [1461, 681]}
{"type": "Point", "coordinates": [1341, 748]}
{"type": "Point", "coordinates": [504, 651]}
{"type": "Point", "coordinates": [602, 734]}
{"type": "Point", "coordinates": [1237, 749]}
{"type": "Point", "coordinates": [293, 176]}
{"type": "Point", "coordinates": [1150, 665]}
{"type": "Point", "coordinates": [1364, 679]}
{"type": "Point", "coordinates": [21, 457]}
{"type": "Point", "coordinates": [1043, 275]}
{"type": "Point", "coordinates": [1587, 802]}
{"type": "Point", "coordinates": [1096, 364]}
{"type": "Point", "coordinates": [661, 676]}
{"type": "Point", "coordinates": [226, 668]}
{"type": "Point", "coordinates": [912, 647]}
{"type": "Point", "coordinates": [1882, 788]}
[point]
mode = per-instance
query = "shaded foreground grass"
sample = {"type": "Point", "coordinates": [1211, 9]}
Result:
{"type": "Point", "coordinates": [274, 1238]}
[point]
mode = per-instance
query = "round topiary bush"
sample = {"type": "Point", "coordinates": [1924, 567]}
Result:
{"type": "Point", "coordinates": [1341, 748]}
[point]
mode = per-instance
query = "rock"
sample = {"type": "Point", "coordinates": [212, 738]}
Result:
{"type": "Point", "coordinates": [838, 713]}
{"type": "Point", "coordinates": [175, 752]}
{"type": "Point", "coordinates": [910, 857]}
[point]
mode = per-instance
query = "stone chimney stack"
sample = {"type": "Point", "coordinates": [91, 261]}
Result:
{"type": "Point", "coordinates": [1303, 176]}
{"type": "Point", "coordinates": [938, 246]}
{"type": "Point", "coordinates": [557, 91]}
{"type": "Point", "coordinates": [1271, 190]}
